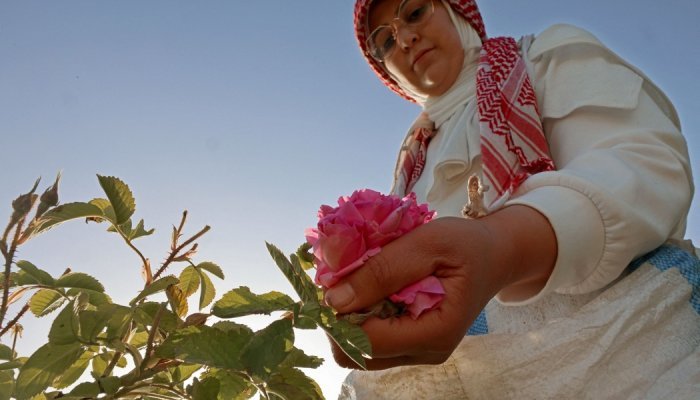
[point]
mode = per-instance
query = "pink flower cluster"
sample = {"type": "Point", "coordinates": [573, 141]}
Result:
{"type": "Point", "coordinates": [348, 235]}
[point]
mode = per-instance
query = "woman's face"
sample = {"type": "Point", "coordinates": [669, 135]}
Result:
{"type": "Point", "coordinates": [428, 58]}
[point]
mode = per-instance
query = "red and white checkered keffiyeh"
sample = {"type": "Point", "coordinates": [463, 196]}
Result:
{"type": "Point", "coordinates": [513, 145]}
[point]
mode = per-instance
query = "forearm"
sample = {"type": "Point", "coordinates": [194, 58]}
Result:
{"type": "Point", "coordinates": [524, 250]}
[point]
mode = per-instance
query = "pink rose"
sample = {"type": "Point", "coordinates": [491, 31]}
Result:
{"type": "Point", "coordinates": [347, 235]}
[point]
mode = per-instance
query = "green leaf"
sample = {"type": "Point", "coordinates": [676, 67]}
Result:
{"type": "Point", "coordinates": [73, 372]}
{"type": "Point", "coordinates": [208, 291]}
{"type": "Point", "coordinates": [146, 313]}
{"type": "Point", "coordinates": [110, 384]}
{"type": "Point", "coordinates": [300, 280]}
{"type": "Point", "coordinates": [118, 322]}
{"type": "Point", "coordinates": [204, 345]}
{"type": "Point", "coordinates": [232, 387]}
{"type": "Point", "coordinates": [183, 372]}
{"type": "Point", "coordinates": [44, 301]}
{"type": "Point", "coordinates": [10, 365]}
{"type": "Point", "coordinates": [155, 287]}
{"type": "Point", "coordinates": [86, 389]}
{"type": "Point", "coordinates": [94, 297]}
{"type": "Point", "coordinates": [7, 384]}
{"type": "Point", "coordinates": [241, 301]}
{"type": "Point", "coordinates": [206, 389]}
{"type": "Point", "coordinates": [290, 383]}
{"type": "Point", "coordinates": [65, 328]}
{"type": "Point", "coordinates": [140, 231]}
{"type": "Point", "coordinates": [297, 358]}
{"type": "Point", "coordinates": [119, 196]}
{"type": "Point", "coordinates": [178, 302]}
{"type": "Point", "coordinates": [350, 338]}
{"type": "Point", "coordinates": [189, 281]}
{"type": "Point", "coordinates": [230, 326]}
{"type": "Point", "coordinates": [306, 258]}
{"type": "Point", "coordinates": [268, 348]}
{"type": "Point", "coordinates": [79, 280]}
{"type": "Point", "coordinates": [211, 267]}
{"type": "Point", "coordinates": [40, 277]}
{"type": "Point", "coordinates": [63, 213]}
{"type": "Point", "coordinates": [106, 208]}
{"type": "Point", "coordinates": [42, 367]}
{"type": "Point", "coordinates": [6, 352]}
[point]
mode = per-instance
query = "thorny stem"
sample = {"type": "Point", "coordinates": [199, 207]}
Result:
{"type": "Point", "coordinates": [129, 381]}
{"type": "Point", "coordinates": [14, 320]}
{"type": "Point", "coordinates": [173, 254]}
{"type": "Point", "coordinates": [8, 264]}
{"type": "Point", "coordinates": [17, 333]}
{"type": "Point", "coordinates": [170, 389]}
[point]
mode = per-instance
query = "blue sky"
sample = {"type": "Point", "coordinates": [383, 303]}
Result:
{"type": "Point", "coordinates": [249, 114]}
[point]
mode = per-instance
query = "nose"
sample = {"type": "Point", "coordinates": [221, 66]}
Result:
{"type": "Point", "coordinates": [405, 37]}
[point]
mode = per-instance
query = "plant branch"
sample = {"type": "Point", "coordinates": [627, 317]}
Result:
{"type": "Point", "coordinates": [173, 254]}
{"type": "Point", "coordinates": [112, 363]}
{"type": "Point", "coordinates": [152, 335]}
{"type": "Point", "coordinates": [8, 265]}
{"type": "Point", "coordinates": [14, 320]}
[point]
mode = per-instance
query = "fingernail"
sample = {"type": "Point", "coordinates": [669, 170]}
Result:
{"type": "Point", "coordinates": [340, 296]}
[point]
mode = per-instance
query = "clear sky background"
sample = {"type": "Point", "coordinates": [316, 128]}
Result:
{"type": "Point", "coordinates": [249, 114]}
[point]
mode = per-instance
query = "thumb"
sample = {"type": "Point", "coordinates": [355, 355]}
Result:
{"type": "Point", "coordinates": [400, 263]}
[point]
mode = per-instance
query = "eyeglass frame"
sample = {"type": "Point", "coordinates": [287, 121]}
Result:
{"type": "Point", "coordinates": [393, 24]}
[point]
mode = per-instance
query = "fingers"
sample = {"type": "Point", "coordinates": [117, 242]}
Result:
{"type": "Point", "coordinates": [399, 264]}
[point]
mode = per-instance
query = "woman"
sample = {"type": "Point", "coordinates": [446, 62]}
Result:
{"type": "Point", "coordinates": [578, 282]}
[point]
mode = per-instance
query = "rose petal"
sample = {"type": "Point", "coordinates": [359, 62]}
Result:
{"type": "Point", "coordinates": [420, 296]}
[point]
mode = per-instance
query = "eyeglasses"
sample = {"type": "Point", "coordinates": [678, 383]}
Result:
{"type": "Point", "coordinates": [411, 13]}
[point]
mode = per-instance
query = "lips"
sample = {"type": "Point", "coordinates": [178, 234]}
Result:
{"type": "Point", "coordinates": [420, 55]}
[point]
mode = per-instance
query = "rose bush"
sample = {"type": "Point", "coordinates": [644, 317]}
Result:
{"type": "Point", "coordinates": [348, 235]}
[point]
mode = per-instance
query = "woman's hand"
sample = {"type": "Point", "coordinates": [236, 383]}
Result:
{"type": "Point", "coordinates": [511, 251]}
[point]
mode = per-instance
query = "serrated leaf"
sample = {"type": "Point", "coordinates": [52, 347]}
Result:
{"type": "Point", "coordinates": [350, 338]}
{"type": "Point", "coordinates": [300, 280]}
{"type": "Point", "coordinates": [40, 276]}
{"type": "Point", "coordinates": [189, 281]}
{"type": "Point", "coordinates": [86, 389]}
{"type": "Point", "coordinates": [120, 197]}
{"type": "Point", "coordinates": [99, 364]}
{"type": "Point", "coordinates": [65, 329]}
{"type": "Point", "coordinates": [6, 352]}
{"type": "Point", "coordinates": [230, 326]}
{"type": "Point", "coordinates": [79, 280]}
{"type": "Point", "coordinates": [206, 389]}
{"type": "Point", "coordinates": [42, 367]}
{"type": "Point", "coordinates": [291, 383]}
{"type": "Point", "coordinates": [178, 302]}
{"type": "Point", "coordinates": [139, 339]}
{"type": "Point", "coordinates": [155, 287]}
{"type": "Point", "coordinates": [146, 313]}
{"type": "Point", "coordinates": [211, 267]}
{"type": "Point", "coordinates": [268, 348]}
{"type": "Point", "coordinates": [232, 387]}
{"type": "Point", "coordinates": [63, 213]}
{"type": "Point", "coordinates": [94, 297]}
{"type": "Point", "coordinates": [241, 301]}
{"type": "Point", "coordinates": [120, 318]}
{"type": "Point", "coordinates": [298, 359]}
{"type": "Point", "coordinates": [7, 384]}
{"type": "Point", "coordinates": [306, 259]}
{"type": "Point", "coordinates": [140, 231]}
{"type": "Point", "coordinates": [73, 372]}
{"type": "Point", "coordinates": [45, 301]}
{"type": "Point", "coordinates": [207, 292]}
{"type": "Point", "coordinates": [204, 345]}
{"type": "Point", "coordinates": [183, 372]}
{"type": "Point", "coordinates": [106, 208]}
